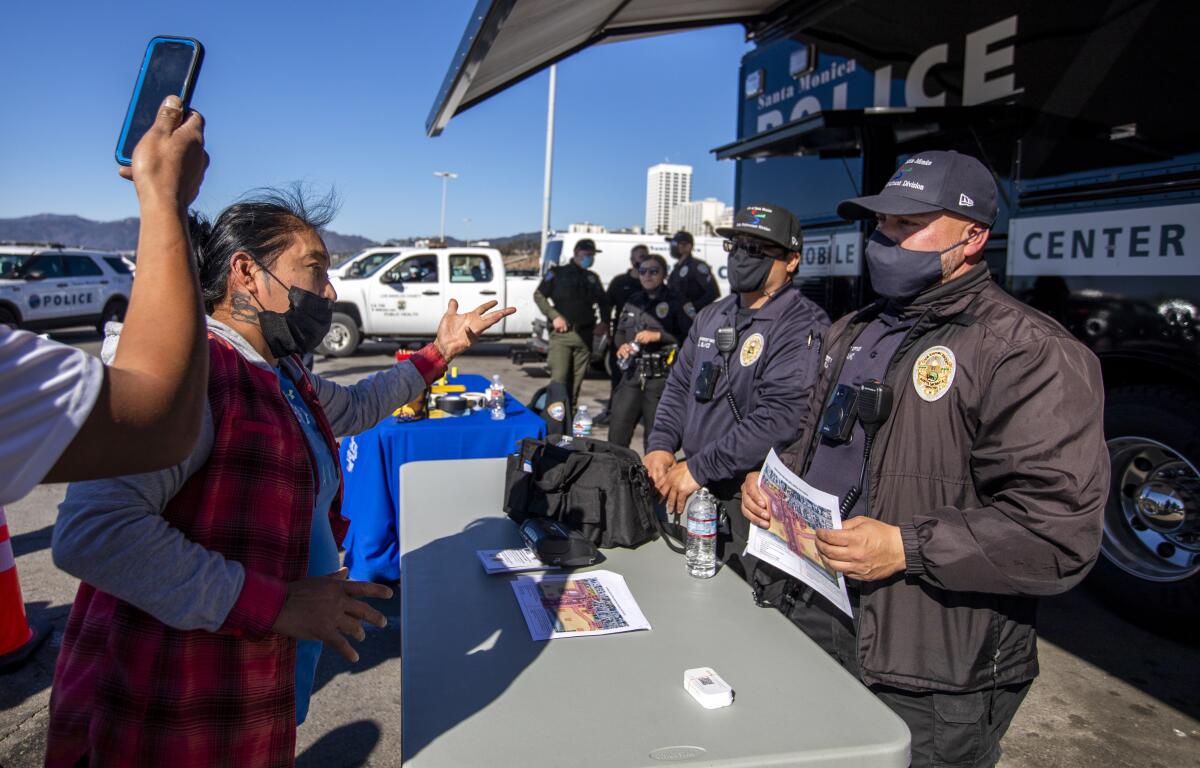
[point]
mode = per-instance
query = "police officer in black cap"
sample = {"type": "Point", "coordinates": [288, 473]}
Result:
{"type": "Point", "coordinates": [745, 375]}
{"type": "Point", "coordinates": [570, 296]}
{"type": "Point", "coordinates": [979, 488]}
{"type": "Point", "coordinates": [691, 279]}
{"type": "Point", "coordinates": [649, 330]}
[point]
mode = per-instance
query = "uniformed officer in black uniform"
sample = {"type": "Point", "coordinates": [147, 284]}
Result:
{"type": "Point", "coordinates": [570, 296]}
{"type": "Point", "coordinates": [619, 290]}
{"type": "Point", "coordinates": [652, 319]}
{"type": "Point", "coordinates": [691, 278]}
{"type": "Point", "coordinates": [733, 396]}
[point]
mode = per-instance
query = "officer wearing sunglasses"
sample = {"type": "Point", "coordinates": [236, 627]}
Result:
{"type": "Point", "coordinates": [742, 381]}
{"type": "Point", "coordinates": [649, 328]}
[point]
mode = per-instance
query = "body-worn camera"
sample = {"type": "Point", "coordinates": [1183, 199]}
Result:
{"type": "Point", "coordinates": [837, 422]}
{"type": "Point", "coordinates": [706, 382]}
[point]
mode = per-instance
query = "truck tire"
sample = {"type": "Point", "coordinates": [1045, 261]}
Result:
{"type": "Point", "coordinates": [343, 337]}
{"type": "Point", "coordinates": [114, 311]}
{"type": "Point", "coordinates": [1149, 564]}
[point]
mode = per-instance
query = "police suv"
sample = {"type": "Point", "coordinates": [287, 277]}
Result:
{"type": "Point", "coordinates": [44, 286]}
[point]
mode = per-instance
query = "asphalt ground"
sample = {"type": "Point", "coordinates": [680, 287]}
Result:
{"type": "Point", "coordinates": [1109, 694]}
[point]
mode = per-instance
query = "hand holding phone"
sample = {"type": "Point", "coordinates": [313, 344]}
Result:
{"type": "Point", "coordinates": [171, 66]}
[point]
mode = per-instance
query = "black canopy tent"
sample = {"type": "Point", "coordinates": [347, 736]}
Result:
{"type": "Point", "coordinates": [507, 41]}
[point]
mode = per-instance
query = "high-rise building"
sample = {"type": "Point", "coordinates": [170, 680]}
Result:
{"type": "Point", "coordinates": [700, 217]}
{"type": "Point", "coordinates": [666, 186]}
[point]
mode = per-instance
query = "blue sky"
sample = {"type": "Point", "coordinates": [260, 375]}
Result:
{"type": "Point", "coordinates": [337, 94]}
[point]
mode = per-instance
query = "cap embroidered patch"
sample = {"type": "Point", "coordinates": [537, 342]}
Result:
{"type": "Point", "coordinates": [661, 309]}
{"type": "Point", "coordinates": [933, 373]}
{"type": "Point", "coordinates": [751, 349]}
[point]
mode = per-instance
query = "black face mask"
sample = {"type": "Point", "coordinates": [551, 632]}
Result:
{"type": "Point", "coordinates": [675, 251]}
{"type": "Point", "coordinates": [748, 273]}
{"type": "Point", "coordinates": [900, 273]}
{"type": "Point", "coordinates": [302, 327]}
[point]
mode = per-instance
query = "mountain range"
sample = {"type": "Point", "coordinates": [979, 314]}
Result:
{"type": "Point", "coordinates": [122, 235]}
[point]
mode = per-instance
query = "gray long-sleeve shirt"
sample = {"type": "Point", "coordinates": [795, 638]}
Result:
{"type": "Point", "coordinates": [111, 533]}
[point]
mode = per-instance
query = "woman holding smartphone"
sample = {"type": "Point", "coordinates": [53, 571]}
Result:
{"type": "Point", "coordinates": [210, 587]}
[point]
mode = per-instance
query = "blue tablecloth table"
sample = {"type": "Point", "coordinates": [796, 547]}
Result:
{"type": "Point", "coordinates": [371, 464]}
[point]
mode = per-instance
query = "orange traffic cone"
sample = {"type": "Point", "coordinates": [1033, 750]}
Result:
{"type": "Point", "coordinates": [18, 638]}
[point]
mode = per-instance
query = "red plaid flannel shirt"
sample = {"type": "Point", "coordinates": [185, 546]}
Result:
{"type": "Point", "coordinates": [129, 690]}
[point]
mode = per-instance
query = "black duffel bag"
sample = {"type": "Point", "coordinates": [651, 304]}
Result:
{"type": "Point", "coordinates": [592, 486]}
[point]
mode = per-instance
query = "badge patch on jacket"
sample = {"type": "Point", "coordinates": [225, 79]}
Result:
{"type": "Point", "coordinates": [933, 373]}
{"type": "Point", "coordinates": [683, 272]}
{"type": "Point", "coordinates": [751, 349]}
{"type": "Point", "coordinates": [662, 309]}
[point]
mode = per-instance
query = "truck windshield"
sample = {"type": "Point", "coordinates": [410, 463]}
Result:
{"type": "Point", "coordinates": [366, 266]}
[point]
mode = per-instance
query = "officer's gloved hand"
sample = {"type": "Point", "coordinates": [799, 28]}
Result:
{"type": "Point", "coordinates": [754, 502]}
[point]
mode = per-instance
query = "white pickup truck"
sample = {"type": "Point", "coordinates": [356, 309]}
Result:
{"type": "Point", "coordinates": [403, 298]}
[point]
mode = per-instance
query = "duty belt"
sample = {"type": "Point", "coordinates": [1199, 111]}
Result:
{"type": "Point", "coordinates": [653, 365]}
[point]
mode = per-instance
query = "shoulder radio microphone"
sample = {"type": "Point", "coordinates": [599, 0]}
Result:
{"type": "Point", "coordinates": [874, 406]}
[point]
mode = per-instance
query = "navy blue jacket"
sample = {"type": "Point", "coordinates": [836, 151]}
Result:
{"type": "Point", "coordinates": [772, 370]}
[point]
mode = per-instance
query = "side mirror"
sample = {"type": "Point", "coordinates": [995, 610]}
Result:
{"type": "Point", "coordinates": [34, 274]}
{"type": "Point", "coordinates": [391, 278]}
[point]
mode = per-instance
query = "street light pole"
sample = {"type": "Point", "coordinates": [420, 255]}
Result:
{"type": "Point", "coordinates": [446, 176]}
{"type": "Point", "coordinates": [549, 159]}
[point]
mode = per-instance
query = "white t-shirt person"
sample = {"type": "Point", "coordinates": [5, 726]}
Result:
{"type": "Point", "coordinates": [47, 390]}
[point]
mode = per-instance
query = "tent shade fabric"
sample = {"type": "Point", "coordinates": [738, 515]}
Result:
{"type": "Point", "coordinates": [509, 40]}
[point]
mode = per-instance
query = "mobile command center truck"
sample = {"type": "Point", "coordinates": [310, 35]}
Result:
{"type": "Point", "coordinates": [1079, 109]}
{"type": "Point", "coordinates": [1075, 106]}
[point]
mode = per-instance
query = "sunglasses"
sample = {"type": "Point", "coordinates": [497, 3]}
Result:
{"type": "Point", "coordinates": [755, 248]}
{"type": "Point", "coordinates": [649, 271]}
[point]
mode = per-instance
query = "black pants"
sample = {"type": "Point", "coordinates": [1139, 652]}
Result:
{"type": "Point", "coordinates": [949, 730]}
{"type": "Point", "coordinates": [632, 401]}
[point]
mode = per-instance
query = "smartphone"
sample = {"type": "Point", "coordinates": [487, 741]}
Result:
{"type": "Point", "coordinates": [171, 65]}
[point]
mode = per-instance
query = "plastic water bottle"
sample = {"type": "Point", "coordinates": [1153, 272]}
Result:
{"type": "Point", "coordinates": [581, 425]}
{"type": "Point", "coordinates": [495, 398]}
{"type": "Point", "coordinates": [702, 534]}
{"type": "Point", "coordinates": [624, 362]}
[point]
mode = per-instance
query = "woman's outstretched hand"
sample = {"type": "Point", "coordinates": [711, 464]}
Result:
{"type": "Point", "coordinates": [456, 333]}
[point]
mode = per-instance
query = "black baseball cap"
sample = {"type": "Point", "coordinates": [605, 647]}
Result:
{"type": "Point", "coordinates": [770, 222]}
{"type": "Point", "coordinates": [587, 244]}
{"type": "Point", "coordinates": [682, 236]}
{"type": "Point", "coordinates": [929, 182]}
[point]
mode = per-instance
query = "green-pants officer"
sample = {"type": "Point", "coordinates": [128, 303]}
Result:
{"type": "Point", "coordinates": [570, 296]}
{"type": "Point", "coordinates": [569, 358]}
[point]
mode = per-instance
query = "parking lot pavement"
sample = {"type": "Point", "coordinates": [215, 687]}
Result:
{"type": "Point", "coordinates": [1109, 694]}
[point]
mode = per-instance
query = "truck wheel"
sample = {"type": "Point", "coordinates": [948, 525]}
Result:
{"type": "Point", "coordinates": [114, 311]}
{"type": "Point", "coordinates": [1149, 564]}
{"type": "Point", "coordinates": [343, 337]}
